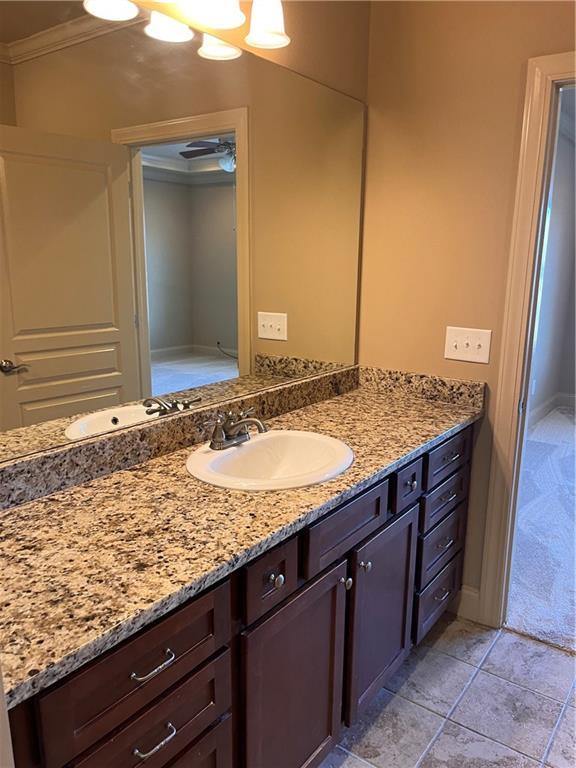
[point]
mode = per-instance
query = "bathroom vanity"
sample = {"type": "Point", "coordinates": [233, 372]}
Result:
{"type": "Point", "coordinates": [312, 602]}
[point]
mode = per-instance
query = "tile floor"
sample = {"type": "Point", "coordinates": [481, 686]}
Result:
{"type": "Point", "coordinates": [469, 697]}
{"type": "Point", "coordinates": [542, 598]}
{"type": "Point", "coordinates": [172, 373]}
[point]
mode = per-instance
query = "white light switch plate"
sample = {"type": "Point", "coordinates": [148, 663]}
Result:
{"type": "Point", "coordinates": [273, 325]}
{"type": "Point", "coordinates": [469, 344]}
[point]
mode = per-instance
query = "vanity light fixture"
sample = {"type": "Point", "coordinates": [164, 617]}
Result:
{"type": "Point", "coordinates": [162, 27]}
{"type": "Point", "coordinates": [267, 25]}
{"type": "Point", "coordinates": [216, 14]}
{"type": "Point", "coordinates": [217, 50]}
{"type": "Point", "coordinates": [112, 10]}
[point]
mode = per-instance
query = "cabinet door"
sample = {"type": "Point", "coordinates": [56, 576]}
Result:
{"type": "Point", "coordinates": [293, 675]}
{"type": "Point", "coordinates": [381, 609]}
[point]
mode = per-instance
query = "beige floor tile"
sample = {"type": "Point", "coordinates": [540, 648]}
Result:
{"type": "Point", "coordinates": [431, 679]}
{"type": "Point", "coordinates": [572, 697]}
{"type": "Point", "coordinates": [457, 747]}
{"type": "Point", "coordinates": [563, 751]}
{"type": "Point", "coordinates": [505, 712]}
{"type": "Point", "coordinates": [393, 732]}
{"type": "Point", "coordinates": [535, 665]}
{"type": "Point", "coordinates": [462, 639]}
{"type": "Point", "coordinates": [340, 759]}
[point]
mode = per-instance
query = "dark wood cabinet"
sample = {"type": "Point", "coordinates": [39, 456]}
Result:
{"type": "Point", "coordinates": [381, 609]}
{"type": "Point", "coordinates": [293, 664]}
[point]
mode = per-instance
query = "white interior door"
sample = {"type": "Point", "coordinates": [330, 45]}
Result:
{"type": "Point", "coordinates": [67, 305]}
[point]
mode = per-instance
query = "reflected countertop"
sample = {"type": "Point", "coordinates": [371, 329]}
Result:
{"type": "Point", "coordinates": [87, 567]}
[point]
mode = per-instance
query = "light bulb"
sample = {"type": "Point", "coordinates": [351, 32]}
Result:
{"type": "Point", "coordinates": [218, 50]}
{"type": "Point", "coordinates": [111, 10]}
{"type": "Point", "coordinates": [216, 14]}
{"type": "Point", "coordinates": [267, 25]}
{"type": "Point", "coordinates": [162, 27]}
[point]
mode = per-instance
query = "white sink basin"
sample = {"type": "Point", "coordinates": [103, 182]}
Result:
{"type": "Point", "coordinates": [271, 461]}
{"type": "Point", "coordinates": [107, 421]}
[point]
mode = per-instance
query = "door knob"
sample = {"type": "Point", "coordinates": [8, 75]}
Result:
{"type": "Point", "coordinates": [7, 367]}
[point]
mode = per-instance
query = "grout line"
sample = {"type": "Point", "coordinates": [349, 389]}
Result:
{"type": "Point", "coordinates": [555, 729]}
{"type": "Point", "coordinates": [525, 688]}
{"type": "Point", "coordinates": [355, 756]}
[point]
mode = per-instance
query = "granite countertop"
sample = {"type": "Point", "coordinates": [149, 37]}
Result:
{"type": "Point", "coordinates": [87, 567]}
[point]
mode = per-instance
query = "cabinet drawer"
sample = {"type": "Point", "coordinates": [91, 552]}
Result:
{"type": "Point", "coordinates": [213, 750]}
{"type": "Point", "coordinates": [436, 504]}
{"type": "Point", "coordinates": [167, 727]}
{"type": "Point", "coordinates": [91, 703]}
{"type": "Point", "coordinates": [431, 603]}
{"type": "Point", "coordinates": [336, 534]}
{"type": "Point", "coordinates": [270, 579]}
{"type": "Point", "coordinates": [439, 546]}
{"type": "Point", "coordinates": [442, 461]}
{"type": "Point", "coordinates": [406, 486]}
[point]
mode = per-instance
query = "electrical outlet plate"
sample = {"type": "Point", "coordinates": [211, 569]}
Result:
{"type": "Point", "coordinates": [273, 325]}
{"type": "Point", "coordinates": [469, 344]}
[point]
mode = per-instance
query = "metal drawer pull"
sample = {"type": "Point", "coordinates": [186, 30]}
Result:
{"type": "Point", "coordinates": [367, 566]}
{"type": "Point", "coordinates": [348, 583]}
{"type": "Point", "coordinates": [445, 544]}
{"type": "Point", "coordinates": [170, 659]}
{"type": "Point", "coordinates": [450, 459]}
{"type": "Point", "coordinates": [277, 581]}
{"type": "Point", "coordinates": [447, 499]}
{"type": "Point", "coordinates": [412, 484]}
{"type": "Point", "coordinates": [444, 597]}
{"type": "Point", "coordinates": [158, 747]}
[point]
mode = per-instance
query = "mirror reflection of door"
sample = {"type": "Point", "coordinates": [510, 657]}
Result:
{"type": "Point", "coordinates": [67, 297]}
{"type": "Point", "coordinates": [190, 254]}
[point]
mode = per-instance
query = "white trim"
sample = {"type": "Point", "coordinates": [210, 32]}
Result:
{"type": "Point", "coordinates": [181, 129]}
{"type": "Point", "coordinates": [201, 349]}
{"type": "Point", "coordinates": [469, 604]}
{"type": "Point", "coordinates": [559, 400]}
{"type": "Point", "coordinates": [61, 36]}
{"type": "Point", "coordinates": [545, 74]}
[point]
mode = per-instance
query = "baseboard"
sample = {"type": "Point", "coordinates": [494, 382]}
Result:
{"type": "Point", "coordinates": [565, 400]}
{"type": "Point", "coordinates": [468, 604]}
{"type": "Point", "coordinates": [559, 400]}
{"type": "Point", "coordinates": [157, 354]}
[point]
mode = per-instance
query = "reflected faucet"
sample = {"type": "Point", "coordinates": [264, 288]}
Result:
{"type": "Point", "coordinates": [163, 406]}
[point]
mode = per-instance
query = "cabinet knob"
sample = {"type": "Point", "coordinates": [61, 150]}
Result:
{"type": "Point", "coordinates": [412, 484]}
{"type": "Point", "coordinates": [277, 581]}
{"type": "Point", "coordinates": [348, 583]}
{"type": "Point", "coordinates": [367, 566]}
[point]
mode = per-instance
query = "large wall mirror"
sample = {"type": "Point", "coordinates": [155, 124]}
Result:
{"type": "Point", "coordinates": [169, 224]}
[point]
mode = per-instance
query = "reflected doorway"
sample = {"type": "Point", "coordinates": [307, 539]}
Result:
{"type": "Point", "coordinates": [189, 192]}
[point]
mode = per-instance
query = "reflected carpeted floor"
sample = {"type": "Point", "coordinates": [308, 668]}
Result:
{"type": "Point", "coordinates": [542, 599]}
{"type": "Point", "coordinates": [174, 372]}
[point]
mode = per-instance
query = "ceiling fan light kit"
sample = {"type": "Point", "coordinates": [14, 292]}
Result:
{"type": "Point", "coordinates": [266, 23]}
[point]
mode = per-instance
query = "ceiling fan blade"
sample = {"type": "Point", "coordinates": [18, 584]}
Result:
{"type": "Point", "coordinates": [203, 143]}
{"type": "Point", "coordinates": [198, 153]}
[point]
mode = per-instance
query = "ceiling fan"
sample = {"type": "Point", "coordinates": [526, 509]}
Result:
{"type": "Point", "coordinates": [202, 148]}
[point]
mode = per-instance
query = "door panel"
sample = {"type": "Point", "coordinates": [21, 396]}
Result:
{"type": "Point", "coordinates": [68, 308]}
{"type": "Point", "coordinates": [381, 609]}
{"type": "Point", "coordinates": [293, 673]}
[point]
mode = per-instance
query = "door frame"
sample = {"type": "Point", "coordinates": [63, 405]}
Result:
{"type": "Point", "coordinates": [183, 129]}
{"type": "Point", "coordinates": [545, 75]}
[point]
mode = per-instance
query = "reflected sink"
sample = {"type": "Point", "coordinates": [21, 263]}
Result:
{"type": "Point", "coordinates": [107, 421]}
{"type": "Point", "coordinates": [272, 461]}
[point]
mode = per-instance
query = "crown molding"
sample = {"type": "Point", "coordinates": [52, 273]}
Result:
{"type": "Point", "coordinates": [62, 36]}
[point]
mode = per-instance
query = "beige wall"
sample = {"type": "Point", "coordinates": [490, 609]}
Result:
{"type": "Point", "coordinates": [328, 41]}
{"type": "Point", "coordinates": [446, 92]}
{"type": "Point", "coordinates": [7, 105]}
{"type": "Point", "coordinates": [306, 162]}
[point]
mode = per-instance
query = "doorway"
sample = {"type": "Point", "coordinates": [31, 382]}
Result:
{"type": "Point", "coordinates": [189, 191]}
{"type": "Point", "coordinates": [542, 587]}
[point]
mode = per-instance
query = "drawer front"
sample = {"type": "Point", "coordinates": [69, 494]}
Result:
{"type": "Point", "coordinates": [431, 603]}
{"type": "Point", "coordinates": [406, 486]}
{"type": "Point", "coordinates": [213, 750]}
{"type": "Point", "coordinates": [169, 726]}
{"type": "Point", "coordinates": [332, 537]}
{"type": "Point", "coordinates": [270, 579]}
{"type": "Point", "coordinates": [439, 546]}
{"type": "Point", "coordinates": [442, 461]}
{"type": "Point", "coordinates": [435, 505]}
{"type": "Point", "coordinates": [93, 702]}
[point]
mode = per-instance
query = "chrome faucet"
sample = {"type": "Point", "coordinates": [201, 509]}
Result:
{"type": "Point", "coordinates": [162, 406]}
{"type": "Point", "coordinates": [232, 429]}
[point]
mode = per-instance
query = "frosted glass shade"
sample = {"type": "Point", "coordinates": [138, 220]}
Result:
{"type": "Point", "coordinates": [162, 27]}
{"type": "Point", "coordinates": [111, 10]}
{"type": "Point", "coordinates": [218, 50]}
{"type": "Point", "coordinates": [216, 14]}
{"type": "Point", "coordinates": [267, 25]}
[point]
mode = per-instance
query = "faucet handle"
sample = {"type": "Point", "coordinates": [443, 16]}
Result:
{"type": "Point", "coordinates": [248, 412]}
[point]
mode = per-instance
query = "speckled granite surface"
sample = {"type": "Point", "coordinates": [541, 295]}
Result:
{"type": "Point", "coordinates": [50, 434]}
{"type": "Point", "coordinates": [87, 567]}
{"type": "Point", "coordinates": [276, 365]}
{"type": "Point", "coordinates": [43, 473]}
{"type": "Point", "coordinates": [435, 388]}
